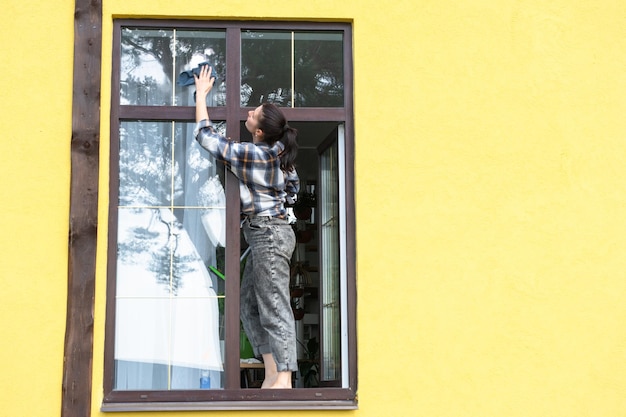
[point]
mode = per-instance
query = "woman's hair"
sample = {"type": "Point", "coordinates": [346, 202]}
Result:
{"type": "Point", "coordinates": [275, 128]}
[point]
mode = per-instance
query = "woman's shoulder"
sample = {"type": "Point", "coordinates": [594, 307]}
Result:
{"type": "Point", "coordinates": [278, 147]}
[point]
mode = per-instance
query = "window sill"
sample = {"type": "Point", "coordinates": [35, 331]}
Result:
{"type": "Point", "coordinates": [230, 405]}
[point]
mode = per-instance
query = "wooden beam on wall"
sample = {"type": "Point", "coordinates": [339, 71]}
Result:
{"type": "Point", "coordinates": [85, 140]}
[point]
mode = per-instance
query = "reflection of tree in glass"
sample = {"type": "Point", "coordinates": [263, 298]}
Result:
{"type": "Point", "coordinates": [146, 66]}
{"type": "Point", "coordinates": [145, 164]}
{"type": "Point", "coordinates": [266, 70]}
{"type": "Point", "coordinates": [149, 57]}
{"type": "Point", "coordinates": [141, 241]}
{"type": "Point", "coordinates": [152, 59]}
{"type": "Point", "coordinates": [145, 167]}
{"type": "Point", "coordinates": [319, 73]}
{"type": "Point", "coordinates": [168, 264]}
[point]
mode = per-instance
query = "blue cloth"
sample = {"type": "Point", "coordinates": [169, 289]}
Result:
{"type": "Point", "coordinates": [186, 77]}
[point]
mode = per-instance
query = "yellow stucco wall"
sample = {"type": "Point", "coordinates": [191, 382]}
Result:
{"type": "Point", "coordinates": [35, 108]}
{"type": "Point", "coordinates": [491, 167]}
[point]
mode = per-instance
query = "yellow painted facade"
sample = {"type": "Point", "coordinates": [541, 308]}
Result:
{"type": "Point", "coordinates": [490, 196]}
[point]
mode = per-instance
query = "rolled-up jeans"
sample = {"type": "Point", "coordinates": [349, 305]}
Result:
{"type": "Point", "coordinates": [265, 299]}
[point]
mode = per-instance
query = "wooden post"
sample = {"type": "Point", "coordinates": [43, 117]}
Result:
{"type": "Point", "coordinates": [78, 357]}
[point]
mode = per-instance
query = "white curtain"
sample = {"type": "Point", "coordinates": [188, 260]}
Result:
{"type": "Point", "coordinates": [167, 316]}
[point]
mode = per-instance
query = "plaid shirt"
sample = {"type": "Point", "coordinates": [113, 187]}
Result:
{"type": "Point", "coordinates": [263, 186]}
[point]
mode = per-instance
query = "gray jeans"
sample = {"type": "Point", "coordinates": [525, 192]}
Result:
{"type": "Point", "coordinates": [265, 300]}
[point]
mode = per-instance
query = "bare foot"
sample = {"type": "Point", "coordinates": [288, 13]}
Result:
{"type": "Point", "coordinates": [277, 387]}
{"type": "Point", "coordinates": [271, 373]}
{"type": "Point", "coordinates": [281, 380]}
{"type": "Point", "coordinates": [273, 378]}
{"type": "Point", "coordinates": [269, 381]}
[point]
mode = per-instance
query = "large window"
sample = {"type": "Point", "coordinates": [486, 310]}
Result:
{"type": "Point", "coordinates": [173, 337]}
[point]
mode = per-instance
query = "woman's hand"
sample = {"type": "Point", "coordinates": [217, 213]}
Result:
{"type": "Point", "coordinates": [204, 82]}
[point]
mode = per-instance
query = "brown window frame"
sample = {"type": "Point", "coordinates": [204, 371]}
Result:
{"type": "Point", "coordinates": [232, 396]}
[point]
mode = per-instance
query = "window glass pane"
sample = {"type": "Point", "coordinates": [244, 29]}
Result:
{"type": "Point", "coordinates": [168, 299]}
{"type": "Point", "coordinates": [145, 164]}
{"type": "Point", "coordinates": [330, 268]}
{"type": "Point", "coordinates": [152, 60]}
{"type": "Point", "coordinates": [265, 68]}
{"type": "Point", "coordinates": [192, 48]}
{"type": "Point", "coordinates": [146, 67]}
{"type": "Point", "coordinates": [318, 69]}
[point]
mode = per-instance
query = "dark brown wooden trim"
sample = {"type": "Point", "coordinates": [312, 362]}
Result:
{"type": "Point", "coordinates": [250, 394]}
{"type": "Point", "coordinates": [187, 114]}
{"type": "Point", "coordinates": [231, 305]}
{"type": "Point", "coordinates": [233, 77]}
{"type": "Point", "coordinates": [114, 185]}
{"type": "Point", "coordinates": [314, 114]}
{"type": "Point", "coordinates": [168, 113]}
{"type": "Point", "coordinates": [350, 209]}
{"type": "Point", "coordinates": [233, 245]}
{"type": "Point", "coordinates": [85, 144]}
{"type": "Point", "coordinates": [264, 24]}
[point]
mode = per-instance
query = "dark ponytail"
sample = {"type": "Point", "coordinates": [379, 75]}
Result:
{"type": "Point", "coordinates": [275, 128]}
